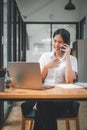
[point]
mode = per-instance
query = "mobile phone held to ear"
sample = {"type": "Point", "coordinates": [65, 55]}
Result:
{"type": "Point", "coordinates": [62, 49]}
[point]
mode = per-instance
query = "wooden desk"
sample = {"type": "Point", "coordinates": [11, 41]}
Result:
{"type": "Point", "coordinates": [54, 93]}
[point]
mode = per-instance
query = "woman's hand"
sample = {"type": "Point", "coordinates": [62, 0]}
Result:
{"type": "Point", "coordinates": [50, 64]}
{"type": "Point", "coordinates": [53, 63]}
{"type": "Point", "coordinates": [66, 49]}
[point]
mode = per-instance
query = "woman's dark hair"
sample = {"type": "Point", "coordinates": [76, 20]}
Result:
{"type": "Point", "coordinates": [64, 34]}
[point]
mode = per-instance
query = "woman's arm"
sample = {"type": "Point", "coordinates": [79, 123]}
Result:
{"type": "Point", "coordinates": [69, 73]}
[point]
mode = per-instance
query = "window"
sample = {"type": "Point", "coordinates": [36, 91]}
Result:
{"type": "Point", "coordinates": [70, 27]}
{"type": "Point", "coordinates": [40, 38]}
{"type": "Point", "coordinates": [5, 34]}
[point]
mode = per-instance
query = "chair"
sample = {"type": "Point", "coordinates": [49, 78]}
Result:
{"type": "Point", "coordinates": [74, 115]}
{"type": "Point", "coordinates": [28, 113]}
{"type": "Point", "coordinates": [68, 116]}
{"type": "Point", "coordinates": [30, 118]}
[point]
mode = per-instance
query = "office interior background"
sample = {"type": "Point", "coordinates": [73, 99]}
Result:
{"type": "Point", "coordinates": [27, 26]}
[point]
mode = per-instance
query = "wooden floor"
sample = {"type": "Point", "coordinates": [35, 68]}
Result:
{"type": "Point", "coordinates": [13, 122]}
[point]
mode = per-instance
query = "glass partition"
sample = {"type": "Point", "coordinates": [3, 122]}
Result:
{"type": "Point", "coordinates": [70, 27]}
{"type": "Point", "coordinates": [38, 39]}
{"type": "Point", "coordinates": [5, 33]}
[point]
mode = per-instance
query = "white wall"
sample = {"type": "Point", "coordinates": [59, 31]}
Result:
{"type": "Point", "coordinates": [82, 60]}
{"type": "Point", "coordinates": [48, 10]}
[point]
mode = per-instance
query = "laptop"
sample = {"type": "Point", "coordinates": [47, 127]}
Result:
{"type": "Point", "coordinates": [26, 75]}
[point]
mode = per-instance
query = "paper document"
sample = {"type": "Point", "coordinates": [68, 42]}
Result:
{"type": "Point", "coordinates": [84, 85]}
{"type": "Point", "coordinates": [70, 86]}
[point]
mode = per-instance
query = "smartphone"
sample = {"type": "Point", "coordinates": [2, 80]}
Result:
{"type": "Point", "coordinates": [62, 49]}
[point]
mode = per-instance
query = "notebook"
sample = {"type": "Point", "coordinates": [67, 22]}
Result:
{"type": "Point", "coordinates": [26, 75]}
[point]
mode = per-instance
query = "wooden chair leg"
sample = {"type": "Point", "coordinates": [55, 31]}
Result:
{"type": "Point", "coordinates": [77, 123]}
{"type": "Point", "coordinates": [30, 124]}
{"type": "Point", "coordinates": [67, 124]}
{"type": "Point", "coordinates": [23, 123]}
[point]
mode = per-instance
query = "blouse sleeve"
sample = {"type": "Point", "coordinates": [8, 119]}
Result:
{"type": "Point", "coordinates": [74, 64]}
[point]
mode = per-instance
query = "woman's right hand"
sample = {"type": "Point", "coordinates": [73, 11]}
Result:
{"type": "Point", "coordinates": [50, 64]}
{"type": "Point", "coordinates": [53, 63]}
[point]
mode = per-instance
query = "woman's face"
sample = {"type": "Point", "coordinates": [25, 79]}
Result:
{"type": "Point", "coordinates": [57, 42]}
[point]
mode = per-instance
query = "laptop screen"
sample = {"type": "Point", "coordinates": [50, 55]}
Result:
{"type": "Point", "coordinates": [25, 75]}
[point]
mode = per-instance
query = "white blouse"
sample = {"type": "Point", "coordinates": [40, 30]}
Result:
{"type": "Point", "coordinates": [56, 74]}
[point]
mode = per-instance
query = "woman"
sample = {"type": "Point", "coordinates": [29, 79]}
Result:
{"type": "Point", "coordinates": [57, 66]}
